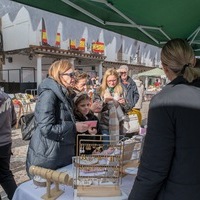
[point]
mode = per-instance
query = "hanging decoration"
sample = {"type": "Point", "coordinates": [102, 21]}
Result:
{"type": "Point", "coordinates": [98, 47]}
{"type": "Point", "coordinates": [52, 21]}
{"type": "Point", "coordinates": [57, 40]}
{"type": "Point", "coordinates": [44, 37]}
{"type": "Point", "coordinates": [82, 45]}
{"type": "Point", "coordinates": [72, 44]}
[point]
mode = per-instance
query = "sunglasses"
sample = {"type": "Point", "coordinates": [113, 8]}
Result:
{"type": "Point", "coordinates": [123, 72]}
{"type": "Point", "coordinates": [72, 74]}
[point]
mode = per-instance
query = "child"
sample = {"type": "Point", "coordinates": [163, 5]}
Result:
{"type": "Point", "coordinates": [83, 114]}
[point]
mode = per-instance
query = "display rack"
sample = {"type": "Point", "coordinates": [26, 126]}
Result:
{"type": "Point", "coordinates": [98, 166]}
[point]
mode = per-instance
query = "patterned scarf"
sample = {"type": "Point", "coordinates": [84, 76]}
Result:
{"type": "Point", "coordinates": [116, 115]}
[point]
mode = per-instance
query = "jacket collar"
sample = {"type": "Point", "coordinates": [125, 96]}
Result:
{"type": "Point", "coordinates": [178, 80]}
{"type": "Point", "coordinates": [181, 80]}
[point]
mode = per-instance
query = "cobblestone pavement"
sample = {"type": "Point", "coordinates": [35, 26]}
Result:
{"type": "Point", "coordinates": [19, 150]}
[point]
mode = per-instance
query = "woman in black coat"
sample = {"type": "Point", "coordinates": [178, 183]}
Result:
{"type": "Point", "coordinates": [52, 144]}
{"type": "Point", "coordinates": [170, 164]}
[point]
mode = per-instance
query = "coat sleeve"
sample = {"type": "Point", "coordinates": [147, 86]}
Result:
{"type": "Point", "coordinates": [135, 94]}
{"type": "Point", "coordinates": [157, 154]}
{"type": "Point", "coordinates": [53, 122]}
{"type": "Point", "coordinates": [13, 113]}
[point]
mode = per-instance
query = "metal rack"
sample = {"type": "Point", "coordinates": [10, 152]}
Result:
{"type": "Point", "coordinates": [98, 173]}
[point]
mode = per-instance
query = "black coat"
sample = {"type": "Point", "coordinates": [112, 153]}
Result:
{"type": "Point", "coordinates": [96, 139]}
{"type": "Point", "coordinates": [52, 144]}
{"type": "Point", "coordinates": [170, 164]}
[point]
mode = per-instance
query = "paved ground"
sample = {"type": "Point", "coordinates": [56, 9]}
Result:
{"type": "Point", "coordinates": [19, 149]}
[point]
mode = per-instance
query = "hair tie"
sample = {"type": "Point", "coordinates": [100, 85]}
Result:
{"type": "Point", "coordinates": [184, 67]}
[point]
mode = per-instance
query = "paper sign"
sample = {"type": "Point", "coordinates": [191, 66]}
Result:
{"type": "Point", "coordinates": [91, 123]}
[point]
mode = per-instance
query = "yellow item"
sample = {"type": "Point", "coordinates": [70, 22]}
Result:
{"type": "Point", "coordinates": [138, 113]}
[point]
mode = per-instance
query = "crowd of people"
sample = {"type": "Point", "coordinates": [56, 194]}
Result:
{"type": "Point", "coordinates": [169, 166]}
{"type": "Point", "coordinates": [64, 106]}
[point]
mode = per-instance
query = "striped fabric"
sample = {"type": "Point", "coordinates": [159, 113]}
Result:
{"type": "Point", "coordinates": [116, 115]}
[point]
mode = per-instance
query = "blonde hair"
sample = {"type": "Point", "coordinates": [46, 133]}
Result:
{"type": "Point", "coordinates": [179, 56]}
{"type": "Point", "coordinates": [118, 88]}
{"type": "Point", "coordinates": [59, 67]}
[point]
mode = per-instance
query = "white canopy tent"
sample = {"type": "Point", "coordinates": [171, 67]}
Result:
{"type": "Point", "coordinates": [155, 73]}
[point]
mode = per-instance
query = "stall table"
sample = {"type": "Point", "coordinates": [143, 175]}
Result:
{"type": "Point", "coordinates": [149, 94]}
{"type": "Point", "coordinates": [30, 191]}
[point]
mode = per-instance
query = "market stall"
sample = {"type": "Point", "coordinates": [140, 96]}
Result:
{"type": "Point", "coordinates": [30, 191]}
{"type": "Point", "coordinates": [112, 171]}
{"type": "Point", "coordinates": [154, 81]}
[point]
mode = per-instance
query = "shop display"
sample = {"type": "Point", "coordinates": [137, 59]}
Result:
{"type": "Point", "coordinates": [51, 176]}
{"type": "Point", "coordinates": [98, 174]}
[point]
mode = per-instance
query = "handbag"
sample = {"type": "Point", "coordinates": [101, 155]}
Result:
{"type": "Point", "coordinates": [27, 123]}
{"type": "Point", "coordinates": [131, 124]}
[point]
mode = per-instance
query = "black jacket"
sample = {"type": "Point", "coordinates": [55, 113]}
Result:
{"type": "Point", "coordinates": [86, 135]}
{"type": "Point", "coordinates": [170, 164]}
{"type": "Point", "coordinates": [52, 144]}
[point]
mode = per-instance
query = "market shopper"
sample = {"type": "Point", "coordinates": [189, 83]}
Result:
{"type": "Point", "coordinates": [114, 103]}
{"type": "Point", "coordinates": [80, 85]}
{"type": "Point", "coordinates": [7, 121]}
{"type": "Point", "coordinates": [129, 86]}
{"type": "Point", "coordinates": [52, 144]}
{"type": "Point", "coordinates": [170, 166]}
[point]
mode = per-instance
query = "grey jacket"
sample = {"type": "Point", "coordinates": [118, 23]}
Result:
{"type": "Point", "coordinates": [130, 92]}
{"type": "Point", "coordinates": [52, 144]}
{"type": "Point", "coordinates": [7, 118]}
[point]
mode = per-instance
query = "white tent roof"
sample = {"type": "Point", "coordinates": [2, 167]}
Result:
{"type": "Point", "coordinates": [157, 72]}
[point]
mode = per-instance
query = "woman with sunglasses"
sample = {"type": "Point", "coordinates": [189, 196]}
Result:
{"type": "Point", "coordinates": [52, 144]}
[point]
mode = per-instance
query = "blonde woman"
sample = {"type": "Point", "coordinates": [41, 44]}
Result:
{"type": "Point", "coordinates": [170, 166]}
{"type": "Point", "coordinates": [111, 93]}
{"type": "Point", "coordinates": [52, 144]}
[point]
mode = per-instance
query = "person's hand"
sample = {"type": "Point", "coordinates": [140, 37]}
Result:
{"type": "Point", "coordinates": [96, 107]}
{"type": "Point", "coordinates": [81, 127]}
{"type": "Point", "coordinates": [108, 98]}
{"type": "Point", "coordinates": [92, 131]}
{"type": "Point", "coordinates": [121, 101]}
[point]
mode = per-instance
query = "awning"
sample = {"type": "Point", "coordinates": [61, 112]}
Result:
{"type": "Point", "coordinates": [157, 72]}
{"type": "Point", "coordinates": [153, 22]}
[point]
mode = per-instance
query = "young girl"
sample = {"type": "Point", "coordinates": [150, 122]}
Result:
{"type": "Point", "coordinates": [83, 114]}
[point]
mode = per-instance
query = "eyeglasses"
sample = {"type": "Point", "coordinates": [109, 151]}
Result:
{"type": "Point", "coordinates": [72, 74]}
{"type": "Point", "coordinates": [111, 81]}
{"type": "Point", "coordinates": [123, 72]}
